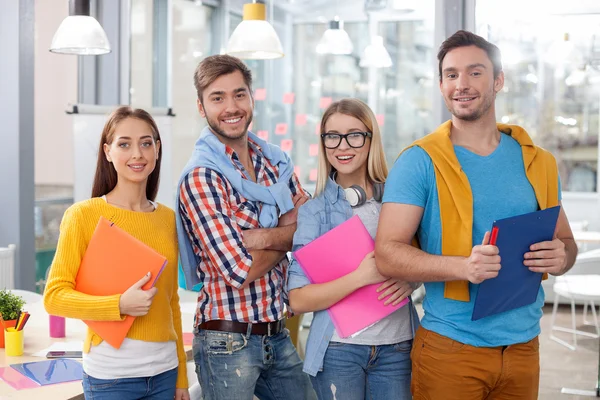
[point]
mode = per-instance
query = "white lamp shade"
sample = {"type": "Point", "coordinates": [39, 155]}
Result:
{"type": "Point", "coordinates": [255, 39]}
{"type": "Point", "coordinates": [376, 55]}
{"type": "Point", "coordinates": [81, 35]}
{"type": "Point", "coordinates": [335, 41]}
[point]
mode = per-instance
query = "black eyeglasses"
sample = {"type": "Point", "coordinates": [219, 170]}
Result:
{"type": "Point", "coordinates": [356, 140]}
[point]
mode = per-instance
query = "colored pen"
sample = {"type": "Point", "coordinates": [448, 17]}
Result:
{"type": "Point", "coordinates": [24, 319]}
{"type": "Point", "coordinates": [494, 236]}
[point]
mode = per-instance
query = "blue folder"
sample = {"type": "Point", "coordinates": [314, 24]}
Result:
{"type": "Point", "coordinates": [515, 286]}
{"type": "Point", "coordinates": [51, 371]}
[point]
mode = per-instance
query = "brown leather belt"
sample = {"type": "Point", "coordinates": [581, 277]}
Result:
{"type": "Point", "coordinates": [258, 328]}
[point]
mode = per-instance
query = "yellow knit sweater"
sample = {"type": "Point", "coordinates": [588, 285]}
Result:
{"type": "Point", "coordinates": [157, 230]}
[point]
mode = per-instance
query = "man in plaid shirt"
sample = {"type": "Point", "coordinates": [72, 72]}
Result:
{"type": "Point", "coordinates": [241, 346]}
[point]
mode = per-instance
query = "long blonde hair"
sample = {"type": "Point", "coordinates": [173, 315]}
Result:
{"type": "Point", "coordinates": [377, 168]}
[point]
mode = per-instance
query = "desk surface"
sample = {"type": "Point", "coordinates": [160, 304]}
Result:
{"type": "Point", "coordinates": [37, 338]}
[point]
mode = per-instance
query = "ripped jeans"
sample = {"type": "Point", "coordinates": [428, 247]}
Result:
{"type": "Point", "coordinates": [236, 366]}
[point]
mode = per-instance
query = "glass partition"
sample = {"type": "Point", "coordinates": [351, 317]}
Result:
{"type": "Point", "coordinates": [551, 61]}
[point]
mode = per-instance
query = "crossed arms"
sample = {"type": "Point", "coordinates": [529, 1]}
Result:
{"type": "Point", "coordinates": [240, 256]}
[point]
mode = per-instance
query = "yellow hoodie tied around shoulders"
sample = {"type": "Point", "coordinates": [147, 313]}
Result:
{"type": "Point", "coordinates": [456, 199]}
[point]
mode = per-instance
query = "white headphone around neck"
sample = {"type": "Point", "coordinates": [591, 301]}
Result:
{"type": "Point", "coordinates": [357, 196]}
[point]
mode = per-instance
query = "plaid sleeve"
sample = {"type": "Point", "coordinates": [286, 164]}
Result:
{"type": "Point", "coordinates": [295, 186]}
{"type": "Point", "coordinates": [204, 197]}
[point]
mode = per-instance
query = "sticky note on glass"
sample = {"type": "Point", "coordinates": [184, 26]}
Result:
{"type": "Point", "coordinates": [288, 98]}
{"type": "Point", "coordinates": [313, 175]}
{"type": "Point", "coordinates": [380, 119]}
{"type": "Point", "coordinates": [300, 119]}
{"type": "Point", "coordinates": [287, 144]}
{"type": "Point", "coordinates": [260, 94]}
{"type": "Point", "coordinates": [313, 150]}
{"type": "Point", "coordinates": [318, 129]}
{"type": "Point", "coordinates": [297, 171]}
{"type": "Point", "coordinates": [264, 135]}
{"type": "Point", "coordinates": [281, 129]}
{"type": "Point", "coordinates": [324, 102]}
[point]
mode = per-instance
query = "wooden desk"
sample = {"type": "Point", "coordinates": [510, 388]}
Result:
{"type": "Point", "coordinates": [37, 338]}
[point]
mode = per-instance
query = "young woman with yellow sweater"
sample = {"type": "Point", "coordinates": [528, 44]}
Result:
{"type": "Point", "coordinates": [151, 362]}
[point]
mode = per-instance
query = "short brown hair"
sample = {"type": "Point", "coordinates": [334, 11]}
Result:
{"type": "Point", "coordinates": [213, 67]}
{"type": "Point", "coordinates": [466, 38]}
{"type": "Point", "coordinates": [105, 179]}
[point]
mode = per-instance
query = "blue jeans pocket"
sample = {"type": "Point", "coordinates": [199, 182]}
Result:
{"type": "Point", "coordinates": [224, 342]}
{"type": "Point", "coordinates": [404, 347]}
{"type": "Point", "coordinates": [99, 384]}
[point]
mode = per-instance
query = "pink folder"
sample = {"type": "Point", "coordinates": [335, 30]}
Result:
{"type": "Point", "coordinates": [16, 380]}
{"type": "Point", "coordinates": [335, 254]}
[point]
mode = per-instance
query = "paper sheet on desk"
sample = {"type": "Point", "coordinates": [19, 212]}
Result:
{"type": "Point", "coordinates": [60, 346]}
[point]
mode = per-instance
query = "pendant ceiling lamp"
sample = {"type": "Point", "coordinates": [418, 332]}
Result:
{"type": "Point", "coordinates": [79, 33]}
{"type": "Point", "coordinates": [254, 38]}
{"type": "Point", "coordinates": [376, 55]}
{"type": "Point", "coordinates": [335, 40]}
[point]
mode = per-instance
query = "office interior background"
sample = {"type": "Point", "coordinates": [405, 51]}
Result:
{"type": "Point", "coordinates": [48, 101]}
{"type": "Point", "coordinates": [53, 107]}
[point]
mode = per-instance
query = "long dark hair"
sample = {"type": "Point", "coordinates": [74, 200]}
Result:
{"type": "Point", "coordinates": [106, 178]}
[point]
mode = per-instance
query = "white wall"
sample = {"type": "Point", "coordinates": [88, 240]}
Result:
{"type": "Point", "coordinates": [582, 207]}
{"type": "Point", "coordinates": [55, 87]}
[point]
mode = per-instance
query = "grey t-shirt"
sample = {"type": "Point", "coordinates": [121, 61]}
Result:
{"type": "Point", "coordinates": [394, 328]}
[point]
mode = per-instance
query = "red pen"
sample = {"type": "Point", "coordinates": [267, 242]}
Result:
{"type": "Point", "coordinates": [494, 236]}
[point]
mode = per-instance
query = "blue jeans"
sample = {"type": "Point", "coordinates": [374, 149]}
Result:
{"type": "Point", "coordinates": [158, 387]}
{"type": "Point", "coordinates": [357, 372]}
{"type": "Point", "coordinates": [234, 366]}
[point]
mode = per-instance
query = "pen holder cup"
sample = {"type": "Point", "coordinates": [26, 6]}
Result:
{"type": "Point", "coordinates": [14, 342]}
{"type": "Point", "coordinates": [57, 326]}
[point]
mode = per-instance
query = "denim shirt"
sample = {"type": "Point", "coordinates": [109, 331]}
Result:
{"type": "Point", "coordinates": [315, 218]}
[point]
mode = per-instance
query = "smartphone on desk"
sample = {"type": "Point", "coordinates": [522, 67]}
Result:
{"type": "Point", "coordinates": [64, 354]}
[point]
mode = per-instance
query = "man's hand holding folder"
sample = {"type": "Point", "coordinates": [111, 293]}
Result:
{"type": "Point", "coordinates": [547, 257]}
{"type": "Point", "coordinates": [484, 261]}
{"type": "Point", "coordinates": [137, 301]}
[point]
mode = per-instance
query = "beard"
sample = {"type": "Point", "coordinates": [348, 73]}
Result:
{"type": "Point", "coordinates": [214, 127]}
{"type": "Point", "coordinates": [488, 100]}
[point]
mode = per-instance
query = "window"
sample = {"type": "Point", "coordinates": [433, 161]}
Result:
{"type": "Point", "coordinates": [551, 60]}
{"type": "Point", "coordinates": [191, 43]}
{"type": "Point", "coordinates": [403, 92]}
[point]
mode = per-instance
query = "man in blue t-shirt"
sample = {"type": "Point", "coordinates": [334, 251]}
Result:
{"type": "Point", "coordinates": [447, 189]}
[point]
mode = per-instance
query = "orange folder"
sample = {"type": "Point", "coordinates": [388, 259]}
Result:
{"type": "Point", "coordinates": [115, 260]}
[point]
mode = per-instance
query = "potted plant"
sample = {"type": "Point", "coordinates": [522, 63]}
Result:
{"type": "Point", "coordinates": [10, 305]}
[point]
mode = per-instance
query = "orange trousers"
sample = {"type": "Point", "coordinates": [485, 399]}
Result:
{"type": "Point", "coordinates": [444, 369]}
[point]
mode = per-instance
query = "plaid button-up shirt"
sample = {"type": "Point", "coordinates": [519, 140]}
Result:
{"type": "Point", "coordinates": [215, 214]}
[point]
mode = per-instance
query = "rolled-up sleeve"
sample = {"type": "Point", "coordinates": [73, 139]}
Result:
{"type": "Point", "coordinates": [308, 229]}
{"type": "Point", "coordinates": [211, 225]}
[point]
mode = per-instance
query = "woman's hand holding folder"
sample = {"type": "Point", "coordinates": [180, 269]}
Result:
{"type": "Point", "coordinates": [367, 271]}
{"type": "Point", "coordinates": [137, 301]}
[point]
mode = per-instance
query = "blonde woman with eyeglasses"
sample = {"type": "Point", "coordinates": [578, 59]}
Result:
{"type": "Point", "coordinates": [374, 364]}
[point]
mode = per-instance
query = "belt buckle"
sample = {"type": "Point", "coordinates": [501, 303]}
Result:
{"type": "Point", "coordinates": [268, 329]}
